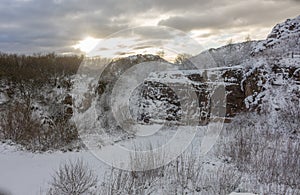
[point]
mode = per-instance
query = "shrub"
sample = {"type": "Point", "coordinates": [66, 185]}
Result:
{"type": "Point", "coordinates": [143, 179]}
{"type": "Point", "coordinates": [73, 178]}
{"type": "Point", "coordinates": [185, 175]}
{"type": "Point", "coordinates": [19, 124]}
{"type": "Point", "coordinates": [272, 157]}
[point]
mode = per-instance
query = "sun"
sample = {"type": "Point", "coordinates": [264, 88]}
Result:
{"type": "Point", "coordinates": [86, 45]}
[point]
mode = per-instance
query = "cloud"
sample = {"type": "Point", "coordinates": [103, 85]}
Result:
{"type": "Point", "coordinates": [50, 25]}
{"type": "Point", "coordinates": [28, 26]}
{"type": "Point", "coordinates": [234, 14]}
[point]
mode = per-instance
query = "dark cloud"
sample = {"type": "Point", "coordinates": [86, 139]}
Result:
{"type": "Point", "coordinates": [234, 15]}
{"type": "Point", "coordinates": [123, 53]}
{"type": "Point", "coordinates": [28, 26]}
{"type": "Point", "coordinates": [142, 47]}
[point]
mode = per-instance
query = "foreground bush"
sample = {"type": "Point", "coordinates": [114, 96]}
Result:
{"type": "Point", "coordinates": [271, 157]}
{"type": "Point", "coordinates": [185, 175]}
{"type": "Point", "coordinates": [73, 178]}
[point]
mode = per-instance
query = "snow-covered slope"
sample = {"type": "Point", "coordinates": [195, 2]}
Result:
{"type": "Point", "coordinates": [284, 38]}
{"type": "Point", "coordinates": [282, 41]}
{"type": "Point", "coordinates": [228, 55]}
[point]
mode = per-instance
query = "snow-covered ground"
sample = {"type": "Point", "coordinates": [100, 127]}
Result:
{"type": "Point", "coordinates": [26, 173]}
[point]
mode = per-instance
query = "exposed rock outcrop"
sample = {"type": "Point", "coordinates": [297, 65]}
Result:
{"type": "Point", "coordinates": [233, 79]}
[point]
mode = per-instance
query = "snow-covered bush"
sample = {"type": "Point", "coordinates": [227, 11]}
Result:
{"type": "Point", "coordinates": [132, 182]}
{"type": "Point", "coordinates": [143, 179]}
{"type": "Point", "coordinates": [259, 149]}
{"type": "Point", "coordinates": [20, 124]}
{"type": "Point", "coordinates": [187, 174]}
{"type": "Point", "coordinates": [74, 178]}
{"type": "Point", "coordinates": [282, 106]}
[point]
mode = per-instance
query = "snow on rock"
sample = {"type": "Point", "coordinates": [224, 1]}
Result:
{"type": "Point", "coordinates": [284, 30]}
{"type": "Point", "coordinates": [283, 41]}
{"type": "Point", "coordinates": [283, 37]}
{"type": "Point", "coordinates": [165, 95]}
{"type": "Point", "coordinates": [3, 98]}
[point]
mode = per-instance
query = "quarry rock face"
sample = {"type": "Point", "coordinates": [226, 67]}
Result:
{"type": "Point", "coordinates": [188, 96]}
{"type": "Point", "coordinates": [218, 93]}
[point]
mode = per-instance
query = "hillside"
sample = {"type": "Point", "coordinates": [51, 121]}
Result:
{"type": "Point", "coordinates": [249, 72]}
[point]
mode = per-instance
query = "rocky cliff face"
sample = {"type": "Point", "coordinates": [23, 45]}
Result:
{"type": "Point", "coordinates": [235, 78]}
{"type": "Point", "coordinates": [167, 96]}
{"type": "Point", "coordinates": [283, 40]}
{"type": "Point", "coordinates": [188, 96]}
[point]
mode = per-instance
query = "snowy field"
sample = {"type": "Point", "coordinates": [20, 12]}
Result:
{"type": "Point", "coordinates": [26, 173]}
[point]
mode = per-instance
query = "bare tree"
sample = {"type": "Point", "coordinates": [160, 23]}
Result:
{"type": "Point", "coordinates": [182, 58]}
{"type": "Point", "coordinates": [248, 38]}
{"type": "Point", "coordinates": [161, 53]}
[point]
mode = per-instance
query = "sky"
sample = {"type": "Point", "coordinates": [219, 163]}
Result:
{"type": "Point", "coordinates": [75, 26]}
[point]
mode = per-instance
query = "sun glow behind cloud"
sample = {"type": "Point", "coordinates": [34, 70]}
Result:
{"type": "Point", "coordinates": [87, 44]}
{"type": "Point", "coordinates": [156, 40]}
